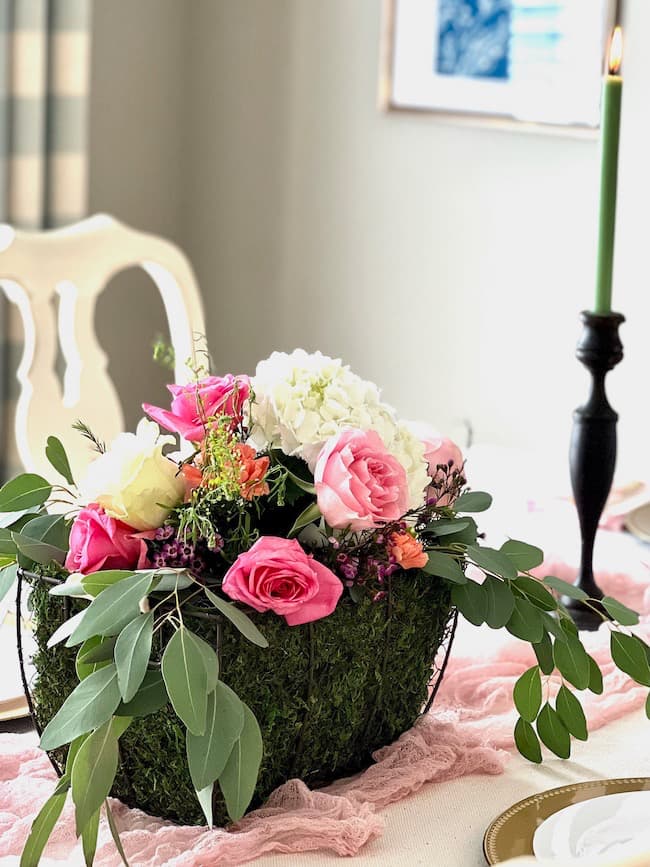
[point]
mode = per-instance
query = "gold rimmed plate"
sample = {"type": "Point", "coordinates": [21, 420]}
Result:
{"type": "Point", "coordinates": [511, 834]}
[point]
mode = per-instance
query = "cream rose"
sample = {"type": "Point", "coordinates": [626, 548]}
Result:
{"type": "Point", "coordinates": [133, 481]}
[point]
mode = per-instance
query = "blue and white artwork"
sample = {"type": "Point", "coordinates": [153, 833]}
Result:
{"type": "Point", "coordinates": [474, 38]}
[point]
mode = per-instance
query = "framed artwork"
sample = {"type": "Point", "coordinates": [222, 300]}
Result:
{"type": "Point", "coordinates": [529, 63]}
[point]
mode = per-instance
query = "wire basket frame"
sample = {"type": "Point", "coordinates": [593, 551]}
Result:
{"type": "Point", "coordinates": [439, 665]}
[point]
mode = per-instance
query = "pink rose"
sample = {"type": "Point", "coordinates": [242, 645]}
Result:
{"type": "Point", "coordinates": [99, 542]}
{"type": "Point", "coordinates": [194, 404]}
{"type": "Point", "coordinates": [441, 451]}
{"type": "Point", "coordinates": [277, 575]}
{"type": "Point", "coordinates": [359, 484]}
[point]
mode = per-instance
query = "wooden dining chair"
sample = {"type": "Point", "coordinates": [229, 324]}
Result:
{"type": "Point", "coordinates": [72, 266]}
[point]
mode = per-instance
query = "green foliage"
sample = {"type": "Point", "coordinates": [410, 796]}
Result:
{"type": "Point", "coordinates": [132, 652]}
{"type": "Point", "coordinates": [565, 588]}
{"type": "Point", "coordinates": [619, 612]}
{"type": "Point", "coordinates": [527, 741]}
{"type": "Point", "coordinates": [93, 773]}
{"type": "Point", "coordinates": [473, 501]}
{"type": "Point", "coordinates": [528, 694]}
{"type": "Point", "coordinates": [553, 733]}
{"type": "Point", "coordinates": [629, 654]}
{"type": "Point", "coordinates": [56, 455]}
{"type": "Point", "coordinates": [208, 754]}
{"type": "Point", "coordinates": [445, 566]}
{"type": "Point", "coordinates": [237, 780]}
{"type": "Point", "coordinates": [237, 617]}
{"type": "Point", "coordinates": [572, 662]}
{"type": "Point", "coordinates": [185, 676]}
{"type": "Point", "coordinates": [522, 555]}
{"type": "Point", "coordinates": [42, 827]}
{"type": "Point", "coordinates": [88, 706]}
{"type": "Point", "coordinates": [24, 492]}
{"type": "Point", "coordinates": [113, 608]}
{"type": "Point", "coordinates": [571, 713]}
{"type": "Point", "coordinates": [471, 600]}
{"type": "Point", "coordinates": [500, 602]}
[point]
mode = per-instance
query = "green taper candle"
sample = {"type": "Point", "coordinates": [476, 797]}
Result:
{"type": "Point", "coordinates": [610, 119]}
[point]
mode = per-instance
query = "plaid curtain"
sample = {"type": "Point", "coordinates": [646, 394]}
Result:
{"type": "Point", "coordinates": [44, 82]}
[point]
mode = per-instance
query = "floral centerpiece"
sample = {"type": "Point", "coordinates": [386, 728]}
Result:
{"type": "Point", "coordinates": [269, 600]}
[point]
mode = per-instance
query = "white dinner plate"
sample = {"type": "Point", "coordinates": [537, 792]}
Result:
{"type": "Point", "coordinates": [616, 825]}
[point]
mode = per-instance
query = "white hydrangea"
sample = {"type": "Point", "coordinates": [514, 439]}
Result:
{"type": "Point", "coordinates": [302, 399]}
{"type": "Point", "coordinates": [409, 451]}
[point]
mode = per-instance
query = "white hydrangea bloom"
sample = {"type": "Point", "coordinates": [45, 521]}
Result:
{"type": "Point", "coordinates": [409, 451]}
{"type": "Point", "coordinates": [302, 399]}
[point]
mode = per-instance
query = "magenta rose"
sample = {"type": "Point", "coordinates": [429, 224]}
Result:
{"type": "Point", "coordinates": [440, 451]}
{"type": "Point", "coordinates": [277, 575]}
{"type": "Point", "coordinates": [99, 542]}
{"type": "Point", "coordinates": [359, 484]}
{"type": "Point", "coordinates": [193, 404]}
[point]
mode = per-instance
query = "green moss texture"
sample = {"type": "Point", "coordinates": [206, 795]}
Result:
{"type": "Point", "coordinates": [326, 694]}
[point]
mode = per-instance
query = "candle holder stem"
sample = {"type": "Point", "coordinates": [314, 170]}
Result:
{"type": "Point", "coordinates": [592, 455]}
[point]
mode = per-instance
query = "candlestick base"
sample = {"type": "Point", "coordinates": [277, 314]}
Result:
{"type": "Point", "coordinates": [592, 455]}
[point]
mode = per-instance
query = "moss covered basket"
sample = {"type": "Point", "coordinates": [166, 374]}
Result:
{"type": "Point", "coordinates": [326, 694]}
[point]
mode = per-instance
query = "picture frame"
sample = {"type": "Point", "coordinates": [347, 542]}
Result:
{"type": "Point", "coordinates": [519, 64]}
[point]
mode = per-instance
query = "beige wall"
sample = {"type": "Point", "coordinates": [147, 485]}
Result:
{"type": "Point", "coordinates": [448, 263]}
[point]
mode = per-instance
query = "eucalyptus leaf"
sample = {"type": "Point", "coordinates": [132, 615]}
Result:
{"type": "Point", "coordinates": [526, 622]}
{"type": "Point", "coordinates": [24, 492]}
{"type": "Point", "coordinates": [237, 617]}
{"type": "Point", "coordinates": [85, 668]}
{"type": "Point", "coordinates": [150, 697]}
{"type": "Point", "coordinates": [89, 839]}
{"type": "Point", "coordinates": [447, 526]}
{"type": "Point", "coordinates": [524, 556]}
{"type": "Point", "coordinates": [72, 586]}
{"type": "Point", "coordinates": [571, 713]}
{"type": "Point", "coordinates": [132, 652]}
{"type": "Point", "coordinates": [56, 455]}
{"type": "Point", "coordinates": [619, 612]}
{"type": "Point", "coordinates": [629, 654]}
{"type": "Point", "coordinates": [544, 653]}
{"type": "Point", "coordinates": [7, 579]}
{"type": "Point", "coordinates": [66, 629]}
{"type": "Point", "coordinates": [113, 608]}
{"type": "Point", "coordinates": [307, 516]}
{"type": "Point", "coordinates": [14, 520]}
{"type": "Point", "coordinates": [167, 580]}
{"type": "Point", "coordinates": [500, 602]}
{"type": "Point", "coordinates": [97, 649]}
{"type": "Point", "coordinates": [43, 539]}
{"type": "Point", "coordinates": [204, 798]}
{"type": "Point", "coordinates": [536, 593]}
{"type": "Point", "coordinates": [527, 694]}
{"type": "Point", "coordinates": [527, 741]}
{"type": "Point", "coordinates": [647, 706]}
{"type": "Point", "coordinates": [93, 773]}
{"type": "Point", "coordinates": [88, 706]}
{"type": "Point", "coordinates": [553, 733]}
{"type": "Point", "coordinates": [42, 828]}
{"type": "Point", "coordinates": [185, 676]}
{"type": "Point", "coordinates": [471, 600]}
{"type": "Point", "coordinates": [211, 662]}
{"type": "Point", "coordinates": [96, 582]}
{"type": "Point", "coordinates": [595, 677]}
{"type": "Point", "coordinates": [565, 588]}
{"type": "Point", "coordinates": [207, 755]}
{"type": "Point", "coordinates": [114, 833]}
{"type": "Point", "coordinates": [239, 777]}
{"type": "Point", "coordinates": [572, 661]}
{"type": "Point", "coordinates": [444, 566]}
{"type": "Point", "coordinates": [492, 561]}
{"type": "Point", "coordinates": [473, 501]}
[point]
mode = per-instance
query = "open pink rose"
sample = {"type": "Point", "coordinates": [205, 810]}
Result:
{"type": "Point", "coordinates": [194, 404]}
{"type": "Point", "coordinates": [277, 575]}
{"type": "Point", "coordinates": [359, 484]}
{"type": "Point", "coordinates": [441, 451]}
{"type": "Point", "coordinates": [99, 542]}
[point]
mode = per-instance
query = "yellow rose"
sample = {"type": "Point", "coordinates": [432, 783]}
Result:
{"type": "Point", "coordinates": [133, 481]}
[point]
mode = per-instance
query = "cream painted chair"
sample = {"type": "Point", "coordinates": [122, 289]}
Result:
{"type": "Point", "coordinates": [75, 263]}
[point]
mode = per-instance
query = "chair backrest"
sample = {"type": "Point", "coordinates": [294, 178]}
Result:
{"type": "Point", "coordinates": [76, 263]}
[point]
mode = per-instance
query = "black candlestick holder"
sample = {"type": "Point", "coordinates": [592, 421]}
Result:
{"type": "Point", "coordinates": [592, 455]}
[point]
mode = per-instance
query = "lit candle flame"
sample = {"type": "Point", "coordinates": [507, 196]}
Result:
{"type": "Point", "coordinates": [615, 52]}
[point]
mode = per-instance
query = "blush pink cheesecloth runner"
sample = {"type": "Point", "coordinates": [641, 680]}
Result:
{"type": "Point", "coordinates": [468, 731]}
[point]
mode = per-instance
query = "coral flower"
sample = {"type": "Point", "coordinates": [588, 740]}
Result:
{"type": "Point", "coordinates": [407, 551]}
{"type": "Point", "coordinates": [192, 476]}
{"type": "Point", "coordinates": [252, 472]}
